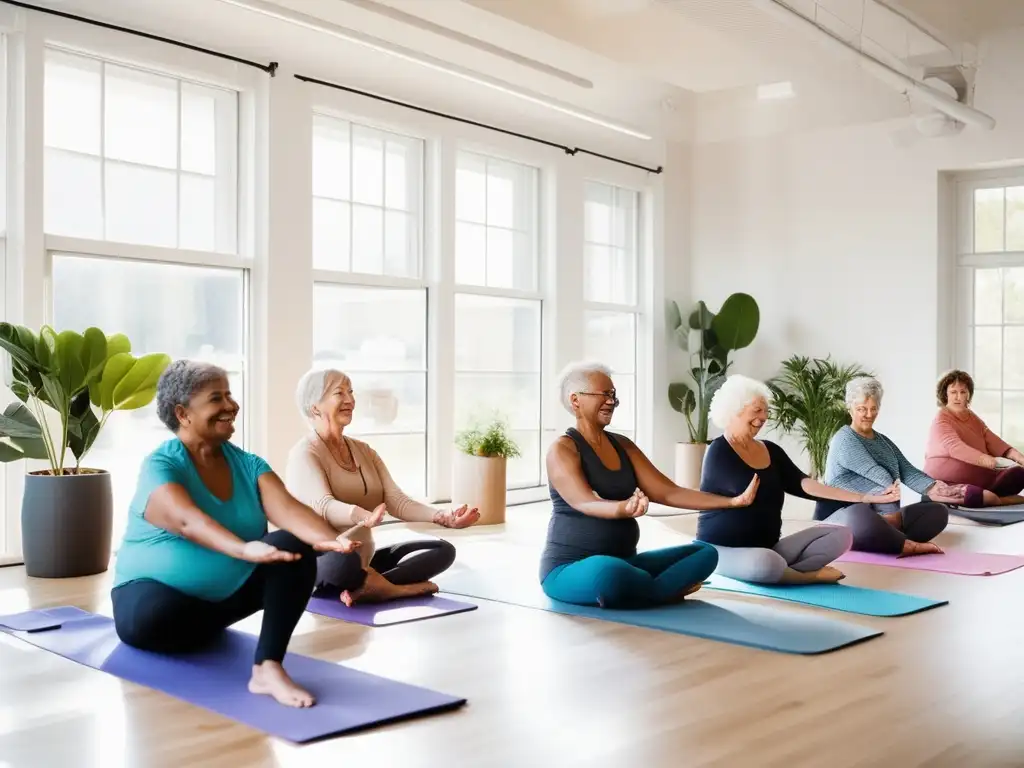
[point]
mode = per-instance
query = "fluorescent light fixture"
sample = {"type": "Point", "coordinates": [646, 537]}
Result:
{"type": "Point", "coordinates": [783, 90]}
{"type": "Point", "coordinates": [382, 46]}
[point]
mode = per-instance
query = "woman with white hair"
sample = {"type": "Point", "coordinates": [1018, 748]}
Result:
{"type": "Point", "coordinates": [749, 541]}
{"type": "Point", "coordinates": [600, 482]}
{"type": "Point", "coordinates": [865, 461]}
{"type": "Point", "coordinates": [347, 483]}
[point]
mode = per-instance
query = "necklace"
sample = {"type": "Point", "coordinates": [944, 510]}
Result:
{"type": "Point", "coordinates": [350, 465]}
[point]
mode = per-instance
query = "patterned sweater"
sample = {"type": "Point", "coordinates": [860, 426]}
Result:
{"type": "Point", "coordinates": [866, 465]}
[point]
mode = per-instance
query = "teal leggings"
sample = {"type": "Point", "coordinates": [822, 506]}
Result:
{"type": "Point", "coordinates": [646, 579]}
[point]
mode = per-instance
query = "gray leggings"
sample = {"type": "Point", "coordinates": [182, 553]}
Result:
{"type": "Point", "coordinates": [806, 550]}
{"type": "Point", "coordinates": [873, 533]}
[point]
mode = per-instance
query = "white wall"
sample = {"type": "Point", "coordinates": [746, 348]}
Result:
{"type": "Point", "coordinates": [836, 232]}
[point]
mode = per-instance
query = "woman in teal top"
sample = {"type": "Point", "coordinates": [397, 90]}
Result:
{"type": "Point", "coordinates": [196, 555]}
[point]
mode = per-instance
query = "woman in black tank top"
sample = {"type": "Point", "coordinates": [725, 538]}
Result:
{"type": "Point", "coordinates": [600, 482]}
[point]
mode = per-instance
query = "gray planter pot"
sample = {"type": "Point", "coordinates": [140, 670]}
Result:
{"type": "Point", "coordinates": [66, 523]}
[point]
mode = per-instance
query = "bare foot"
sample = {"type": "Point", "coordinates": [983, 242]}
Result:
{"type": "Point", "coordinates": [270, 679]}
{"type": "Point", "coordinates": [920, 548]}
{"type": "Point", "coordinates": [686, 592]}
{"type": "Point", "coordinates": [829, 575]}
{"type": "Point", "coordinates": [377, 589]}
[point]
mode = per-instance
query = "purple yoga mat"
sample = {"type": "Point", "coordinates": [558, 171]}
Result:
{"type": "Point", "coordinates": [216, 677]}
{"type": "Point", "coordinates": [385, 614]}
{"type": "Point", "coordinates": [42, 619]}
{"type": "Point", "coordinates": [964, 563]}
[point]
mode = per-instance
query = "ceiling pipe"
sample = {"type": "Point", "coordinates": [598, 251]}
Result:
{"type": "Point", "coordinates": [901, 82]}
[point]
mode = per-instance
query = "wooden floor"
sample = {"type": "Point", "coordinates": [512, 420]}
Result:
{"type": "Point", "coordinates": [942, 688]}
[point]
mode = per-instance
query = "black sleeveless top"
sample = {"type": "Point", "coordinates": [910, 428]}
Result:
{"type": "Point", "coordinates": [572, 535]}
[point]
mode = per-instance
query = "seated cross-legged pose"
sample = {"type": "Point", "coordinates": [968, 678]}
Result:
{"type": "Point", "coordinates": [600, 482]}
{"type": "Point", "coordinates": [865, 461]}
{"type": "Point", "coordinates": [962, 449]}
{"type": "Point", "coordinates": [748, 540]}
{"type": "Point", "coordinates": [196, 556]}
{"type": "Point", "coordinates": [346, 482]}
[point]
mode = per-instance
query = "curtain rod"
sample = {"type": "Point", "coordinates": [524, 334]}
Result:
{"type": "Point", "coordinates": [270, 69]}
{"type": "Point", "coordinates": [467, 121]}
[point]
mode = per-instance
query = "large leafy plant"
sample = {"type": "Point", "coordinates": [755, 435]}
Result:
{"type": "Point", "coordinates": [82, 377]}
{"type": "Point", "coordinates": [808, 399]}
{"type": "Point", "coordinates": [709, 338]}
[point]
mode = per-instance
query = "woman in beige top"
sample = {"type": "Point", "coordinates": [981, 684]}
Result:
{"type": "Point", "coordinates": [347, 483]}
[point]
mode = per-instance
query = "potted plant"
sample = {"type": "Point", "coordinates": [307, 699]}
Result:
{"type": "Point", "coordinates": [82, 378]}
{"type": "Point", "coordinates": [808, 398]}
{"type": "Point", "coordinates": [708, 338]}
{"type": "Point", "coordinates": [479, 468]}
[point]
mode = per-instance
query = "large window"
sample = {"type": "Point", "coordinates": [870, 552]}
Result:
{"type": "Point", "coordinates": [498, 304]}
{"type": "Point", "coordinates": [369, 298]}
{"type": "Point", "coordinates": [611, 268]}
{"type": "Point", "coordinates": [141, 229]}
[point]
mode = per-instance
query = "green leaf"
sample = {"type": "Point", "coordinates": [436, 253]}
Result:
{"type": "Point", "coordinates": [54, 395]}
{"type": "Point", "coordinates": [94, 353]}
{"type": "Point", "coordinates": [736, 323]}
{"type": "Point", "coordinates": [31, 449]}
{"type": "Point", "coordinates": [701, 317]}
{"type": "Point", "coordinates": [118, 343]}
{"type": "Point", "coordinates": [681, 397]}
{"type": "Point", "coordinates": [46, 347]}
{"type": "Point", "coordinates": [674, 318]}
{"type": "Point", "coordinates": [67, 363]}
{"type": "Point", "coordinates": [20, 344]}
{"type": "Point", "coordinates": [137, 386]}
{"type": "Point", "coordinates": [17, 421]}
{"type": "Point", "coordinates": [83, 426]}
{"type": "Point", "coordinates": [101, 393]}
{"type": "Point", "coordinates": [9, 453]}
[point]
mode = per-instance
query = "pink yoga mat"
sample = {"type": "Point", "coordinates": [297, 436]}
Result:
{"type": "Point", "coordinates": [964, 563]}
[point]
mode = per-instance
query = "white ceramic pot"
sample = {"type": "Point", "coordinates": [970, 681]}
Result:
{"type": "Point", "coordinates": [689, 463]}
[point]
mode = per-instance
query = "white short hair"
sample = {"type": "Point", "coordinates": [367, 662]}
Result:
{"type": "Point", "coordinates": [574, 379]}
{"type": "Point", "coordinates": [313, 386]}
{"type": "Point", "coordinates": [864, 388]}
{"type": "Point", "coordinates": [733, 396]}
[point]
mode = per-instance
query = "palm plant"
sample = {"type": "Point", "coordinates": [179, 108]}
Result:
{"type": "Point", "coordinates": [808, 399]}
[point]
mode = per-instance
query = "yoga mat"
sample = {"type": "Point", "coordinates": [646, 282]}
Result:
{"type": "Point", "coordinates": [42, 619]}
{"type": "Point", "coordinates": [954, 561]}
{"type": "Point", "coordinates": [740, 623]}
{"type": "Point", "coordinates": [216, 678]}
{"type": "Point", "coordinates": [386, 614]}
{"type": "Point", "coordinates": [837, 597]}
{"type": "Point", "coordinates": [1007, 515]}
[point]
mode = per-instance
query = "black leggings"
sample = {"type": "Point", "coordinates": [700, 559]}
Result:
{"type": "Point", "coordinates": [154, 617]}
{"type": "Point", "coordinates": [406, 563]}
{"type": "Point", "coordinates": [919, 522]}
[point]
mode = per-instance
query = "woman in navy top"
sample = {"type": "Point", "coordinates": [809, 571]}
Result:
{"type": "Point", "coordinates": [600, 482]}
{"type": "Point", "coordinates": [748, 540]}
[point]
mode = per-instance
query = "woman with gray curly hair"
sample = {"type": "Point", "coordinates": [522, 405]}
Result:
{"type": "Point", "coordinates": [600, 482]}
{"type": "Point", "coordinates": [865, 461]}
{"type": "Point", "coordinates": [196, 556]}
{"type": "Point", "coordinates": [350, 487]}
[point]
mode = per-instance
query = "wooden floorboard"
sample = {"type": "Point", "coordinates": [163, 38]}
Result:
{"type": "Point", "coordinates": [944, 688]}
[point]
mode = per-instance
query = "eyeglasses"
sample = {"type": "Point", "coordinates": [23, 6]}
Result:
{"type": "Point", "coordinates": [611, 395]}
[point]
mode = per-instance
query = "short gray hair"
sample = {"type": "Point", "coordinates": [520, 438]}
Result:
{"type": "Point", "coordinates": [733, 396]}
{"type": "Point", "coordinates": [313, 386]}
{"type": "Point", "coordinates": [177, 385]}
{"type": "Point", "coordinates": [863, 388]}
{"type": "Point", "coordinates": [574, 377]}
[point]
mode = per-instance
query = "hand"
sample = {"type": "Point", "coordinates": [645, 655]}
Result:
{"type": "Point", "coordinates": [890, 495]}
{"type": "Point", "coordinates": [261, 552]}
{"type": "Point", "coordinates": [947, 494]}
{"type": "Point", "coordinates": [340, 544]}
{"type": "Point", "coordinates": [746, 498]}
{"type": "Point", "coordinates": [463, 517]}
{"type": "Point", "coordinates": [988, 462]}
{"type": "Point", "coordinates": [635, 505]}
{"type": "Point", "coordinates": [374, 518]}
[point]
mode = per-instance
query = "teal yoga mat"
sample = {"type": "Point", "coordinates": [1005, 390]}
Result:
{"type": "Point", "coordinates": [837, 597]}
{"type": "Point", "coordinates": [769, 628]}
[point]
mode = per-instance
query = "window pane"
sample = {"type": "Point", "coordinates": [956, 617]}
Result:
{"type": "Point", "coordinates": [331, 235]}
{"type": "Point", "coordinates": [625, 414]}
{"type": "Point", "coordinates": [185, 312]}
{"type": "Point", "coordinates": [610, 338]}
{"type": "Point", "coordinates": [988, 220]}
{"type": "Point", "coordinates": [623, 281]}
{"type": "Point", "coordinates": [988, 362]}
{"type": "Point", "coordinates": [367, 239]}
{"type": "Point", "coordinates": [140, 117]}
{"type": "Point", "coordinates": [141, 205]}
{"type": "Point", "coordinates": [470, 254]}
{"type": "Point", "coordinates": [597, 213]}
{"type": "Point", "coordinates": [72, 190]}
{"type": "Point", "coordinates": [500, 258]}
{"type": "Point", "coordinates": [331, 169]}
{"type": "Point", "coordinates": [199, 128]}
{"type": "Point", "coordinates": [1015, 218]}
{"type": "Point", "coordinates": [501, 194]}
{"type": "Point", "coordinates": [470, 188]}
{"type": "Point", "coordinates": [399, 175]}
{"type": "Point", "coordinates": [515, 396]}
{"type": "Point", "coordinates": [401, 245]}
{"type": "Point", "coordinates": [405, 456]}
{"type": "Point", "coordinates": [496, 334]}
{"type": "Point", "coordinates": [988, 306]}
{"type": "Point", "coordinates": [1013, 356]}
{"type": "Point", "coordinates": [524, 472]}
{"type": "Point", "coordinates": [988, 404]}
{"type": "Point", "coordinates": [198, 224]}
{"type": "Point", "coordinates": [1013, 419]}
{"type": "Point", "coordinates": [624, 220]}
{"type": "Point", "coordinates": [367, 166]}
{"type": "Point", "coordinates": [72, 102]}
{"type": "Point", "coordinates": [597, 268]}
{"type": "Point", "coordinates": [1013, 295]}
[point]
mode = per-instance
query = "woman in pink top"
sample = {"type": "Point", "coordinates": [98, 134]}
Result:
{"type": "Point", "coordinates": [961, 449]}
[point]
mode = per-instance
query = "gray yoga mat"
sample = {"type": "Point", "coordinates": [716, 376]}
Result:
{"type": "Point", "coordinates": [1007, 515]}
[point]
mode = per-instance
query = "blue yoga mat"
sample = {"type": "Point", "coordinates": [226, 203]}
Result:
{"type": "Point", "coordinates": [837, 597]}
{"type": "Point", "coordinates": [216, 678]}
{"type": "Point", "coordinates": [755, 626]}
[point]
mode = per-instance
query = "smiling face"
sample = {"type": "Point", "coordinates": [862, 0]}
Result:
{"type": "Point", "coordinates": [958, 397]}
{"type": "Point", "coordinates": [597, 402]}
{"type": "Point", "coordinates": [748, 422]}
{"type": "Point", "coordinates": [210, 414]}
{"type": "Point", "coordinates": [863, 414]}
{"type": "Point", "coordinates": [334, 411]}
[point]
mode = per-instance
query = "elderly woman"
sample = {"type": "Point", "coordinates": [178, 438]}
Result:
{"type": "Point", "coordinates": [865, 461]}
{"type": "Point", "coordinates": [600, 482]}
{"type": "Point", "coordinates": [749, 541]}
{"type": "Point", "coordinates": [346, 482]}
{"type": "Point", "coordinates": [196, 556]}
{"type": "Point", "coordinates": [962, 449]}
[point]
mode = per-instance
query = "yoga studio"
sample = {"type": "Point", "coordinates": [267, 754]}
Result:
{"type": "Point", "coordinates": [511, 383]}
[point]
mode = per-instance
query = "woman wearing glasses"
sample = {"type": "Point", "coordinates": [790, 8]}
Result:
{"type": "Point", "coordinates": [348, 484]}
{"type": "Point", "coordinates": [600, 482]}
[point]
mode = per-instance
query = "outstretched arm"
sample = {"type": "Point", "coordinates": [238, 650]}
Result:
{"type": "Point", "coordinates": [818, 490]}
{"type": "Point", "coordinates": [171, 508]}
{"type": "Point", "coordinates": [911, 476]}
{"type": "Point", "coordinates": [565, 472]}
{"type": "Point", "coordinates": [290, 514]}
